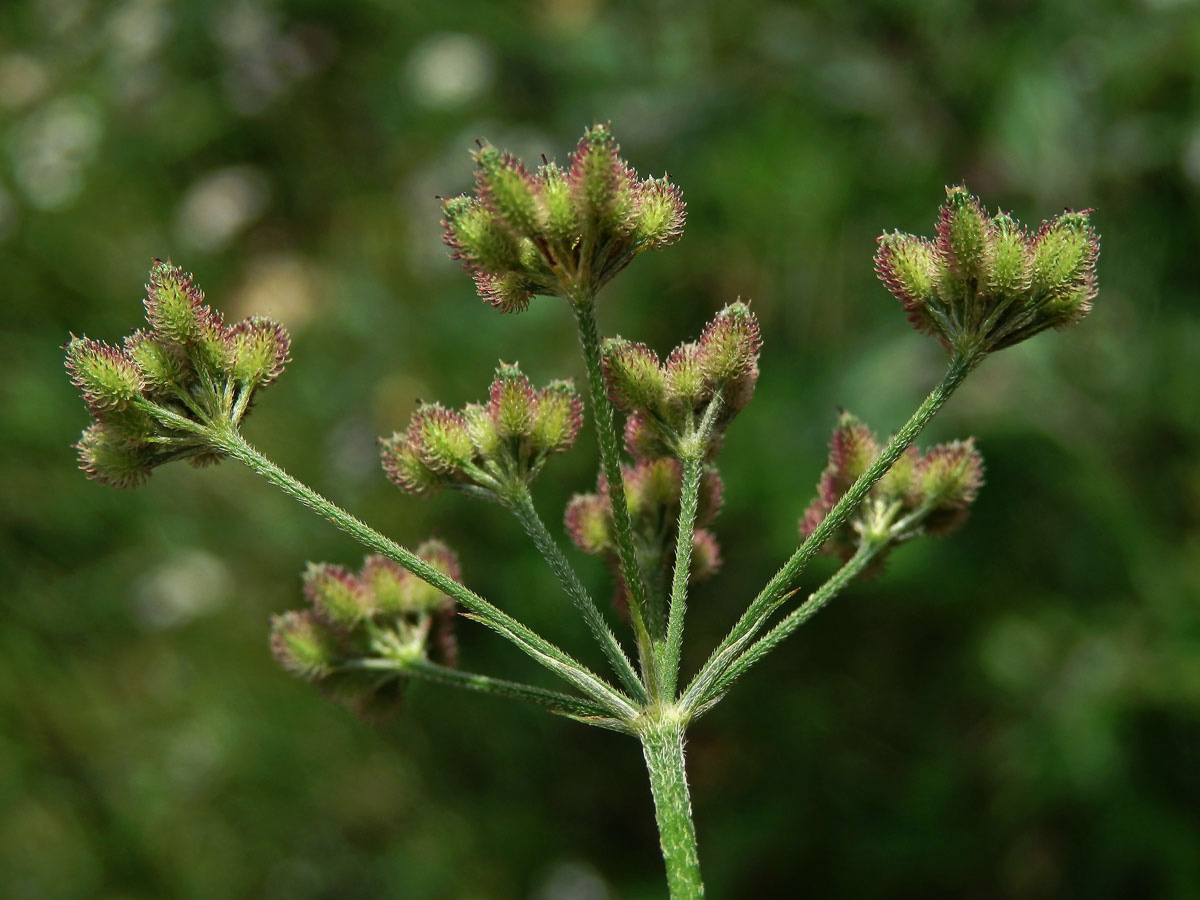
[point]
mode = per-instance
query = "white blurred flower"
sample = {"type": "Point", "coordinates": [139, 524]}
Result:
{"type": "Point", "coordinates": [23, 80]}
{"type": "Point", "coordinates": [447, 70]}
{"type": "Point", "coordinates": [219, 206]}
{"type": "Point", "coordinates": [51, 148]}
{"type": "Point", "coordinates": [184, 587]}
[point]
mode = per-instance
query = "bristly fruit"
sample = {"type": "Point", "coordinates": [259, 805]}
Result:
{"type": "Point", "coordinates": [490, 448]}
{"type": "Point", "coordinates": [984, 284]}
{"type": "Point", "coordinates": [157, 397]}
{"type": "Point", "coordinates": [921, 494]}
{"type": "Point", "coordinates": [557, 232]}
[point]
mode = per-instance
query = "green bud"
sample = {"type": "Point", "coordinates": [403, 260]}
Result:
{"type": "Point", "coordinates": [900, 482]}
{"type": "Point", "coordinates": [562, 221]}
{"type": "Point", "coordinates": [161, 368]}
{"type": "Point", "coordinates": [908, 266]}
{"type": "Point", "coordinates": [107, 377]}
{"type": "Point", "coordinates": [1064, 268]}
{"type": "Point", "coordinates": [482, 430]}
{"type": "Point", "coordinates": [1009, 275]}
{"type": "Point", "coordinates": [558, 418]}
{"type": "Point", "coordinates": [658, 214]}
{"type": "Point", "coordinates": [477, 236]}
{"type": "Point", "coordinates": [601, 182]}
{"type": "Point", "coordinates": [337, 596]}
{"type": "Point", "coordinates": [388, 584]}
{"type": "Point", "coordinates": [686, 387]}
{"type": "Point", "coordinates": [508, 190]}
{"type": "Point", "coordinates": [303, 645]}
{"type": "Point", "coordinates": [424, 597]}
{"type": "Point", "coordinates": [964, 241]}
{"type": "Point", "coordinates": [174, 304]}
{"type": "Point", "coordinates": [949, 479]}
{"type": "Point", "coordinates": [107, 458]}
{"type": "Point", "coordinates": [404, 463]}
{"type": "Point", "coordinates": [633, 375]}
{"type": "Point", "coordinates": [260, 349]}
{"type": "Point", "coordinates": [441, 437]}
{"type": "Point", "coordinates": [729, 346]}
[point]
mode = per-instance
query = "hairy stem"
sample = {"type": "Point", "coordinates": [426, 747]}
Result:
{"type": "Point", "coordinates": [662, 747]}
{"type": "Point", "coordinates": [229, 440]}
{"type": "Point", "coordinates": [425, 670]}
{"type": "Point", "coordinates": [815, 603]}
{"type": "Point", "coordinates": [610, 460]}
{"type": "Point", "coordinates": [521, 503]}
{"type": "Point", "coordinates": [777, 588]}
{"type": "Point", "coordinates": [689, 501]}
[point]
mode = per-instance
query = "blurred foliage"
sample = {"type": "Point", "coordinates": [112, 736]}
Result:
{"type": "Point", "coordinates": [1014, 712]}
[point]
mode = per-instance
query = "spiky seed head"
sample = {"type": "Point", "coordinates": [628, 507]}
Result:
{"type": "Point", "coordinates": [643, 438]}
{"type": "Point", "coordinates": [558, 417]}
{"type": "Point", "coordinates": [161, 367]}
{"type": "Point", "coordinates": [562, 219]}
{"type": "Point", "coordinates": [106, 457]}
{"type": "Point", "coordinates": [964, 242]}
{"type": "Point", "coordinates": [512, 402]}
{"type": "Point", "coordinates": [260, 351]}
{"type": "Point", "coordinates": [441, 437]}
{"type": "Point", "coordinates": [601, 182]}
{"type": "Point", "coordinates": [213, 343]}
{"type": "Point", "coordinates": [706, 555]}
{"type": "Point", "coordinates": [900, 482]}
{"type": "Point", "coordinates": [588, 522]}
{"type": "Point", "coordinates": [508, 293]}
{"type": "Point", "coordinates": [728, 348]}
{"type": "Point", "coordinates": [633, 375]}
{"type": "Point", "coordinates": [174, 303]}
{"type": "Point", "coordinates": [852, 449]}
{"type": "Point", "coordinates": [405, 465]}
{"type": "Point", "coordinates": [908, 267]}
{"type": "Point", "coordinates": [1010, 273]}
{"type": "Point", "coordinates": [424, 597]}
{"type": "Point", "coordinates": [1064, 267]}
{"type": "Point", "coordinates": [507, 189]}
{"type": "Point", "coordinates": [481, 428]}
{"type": "Point", "coordinates": [338, 597]}
{"type": "Point", "coordinates": [107, 377]}
{"type": "Point", "coordinates": [659, 213]}
{"type": "Point", "coordinates": [304, 645]}
{"type": "Point", "coordinates": [949, 478]}
{"type": "Point", "coordinates": [476, 235]}
{"type": "Point", "coordinates": [684, 381]}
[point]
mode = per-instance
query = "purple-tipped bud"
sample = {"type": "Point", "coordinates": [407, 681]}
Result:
{"type": "Point", "coordinates": [405, 465]}
{"type": "Point", "coordinates": [686, 386]}
{"type": "Point", "coordinates": [652, 484]}
{"type": "Point", "coordinates": [507, 189]}
{"type": "Point", "coordinates": [1010, 273]}
{"type": "Point", "coordinates": [588, 522]}
{"type": "Point", "coordinates": [949, 478]}
{"type": "Point", "coordinates": [1064, 268]}
{"type": "Point", "coordinates": [161, 368]}
{"type": "Point", "coordinates": [509, 293]}
{"type": "Point", "coordinates": [851, 450]}
{"type": "Point", "coordinates": [388, 584]}
{"type": "Point", "coordinates": [643, 438]}
{"type": "Point", "coordinates": [512, 402]}
{"type": "Point", "coordinates": [260, 351]}
{"type": "Point", "coordinates": [174, 304]}
{"type": "Point", "coordinates": [304, 645]}
{"type": "Point", "coordinates": [107, 377]}
{"type": "Point", "coordinates": [423, 597]}
{"type": "Point", "coordinates": [562, 219]}
{"type": "Point", "coordinates": [633, 375]}
{"type": "Point", "coordinates": [481, 428]}
{"type": "Point", "coordinates": [441, 437]}
{"type": "Point", "coordinates": [706, 555]}
{"type": "Point", "coordinates": [558, 417]}
{"type": "Point", "coordinates": [338, 597]}
{"type": "Point", "coordinates": [908, 267]}
{"type": "Point", "coordinates": [730, 343]}
{"type": "Point", "coordinates": [106, 457]}
{"type": "Point", "coordinates": [659, 213]}
{"type": "Point", "coordinates": [601, 182]}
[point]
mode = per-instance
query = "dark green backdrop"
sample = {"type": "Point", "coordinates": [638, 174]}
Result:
{"type": "Point", "coordinates": [1011, 713]}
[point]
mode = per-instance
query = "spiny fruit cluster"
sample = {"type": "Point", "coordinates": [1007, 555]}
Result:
{"type": "Point", "coordinates": [189, 369]}
{"type": "Point", "coordinates": [984, 283]}
{"type": "Point", "coordinates": [362, 629]}
{"type": "Point", "coordinates": [926, 493]}
{"type": "Point", "coordinates": [491, 446]}
{"type": "Point", "coordinates": [666, 401]}
{"type": "Point", "coordinates": [555, 231]}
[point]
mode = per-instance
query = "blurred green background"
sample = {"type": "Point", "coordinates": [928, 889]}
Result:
{"type": "Point", "coordinates": [1014, 712]}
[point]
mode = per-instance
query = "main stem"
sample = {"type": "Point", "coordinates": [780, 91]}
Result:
{"type": "Point", "coordinates": [662, 747]}
{"type": "Point", "coordinates": [610, 460]}
{"type": "Point", "coordinates": [689, 501]}
{"type": "Point", "coordinates": [776, 590]}
{"type": "Point", "coordinates": [229, 440]}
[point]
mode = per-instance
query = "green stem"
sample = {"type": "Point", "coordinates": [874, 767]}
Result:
{"type": "Point", "coordinates": [662, 747]}
{"type": "Point", "coordinates": [689, 501]}
{"type": "Point", "coordinates": [229, 440]}
{"type": "Point", "coordinates": [777, 588]}
{"type": "Point", "coordinates": [610, 460]}
{"type": "Point", "coordinates": [425, 670]}
{"type": "Point", "coordinates": [815, 603]}
{"type": "Point", "coordinates": [521, 503]}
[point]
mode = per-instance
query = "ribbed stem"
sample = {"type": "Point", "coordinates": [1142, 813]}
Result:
{"type": "Point", "coordinates": [521, 503]}
{"type": "Point", "coordinates": [610, 461]}
{"type": "Point", "coordinates": [689, 501]}
{"type": "Point", "coordinates": [230, 441]}
{"type": "Point", "coordinates": [662, 747]}
{"type": "Point", "coordinates": [776, 590]}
